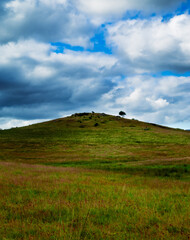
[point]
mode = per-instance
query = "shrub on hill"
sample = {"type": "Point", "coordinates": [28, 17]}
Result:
{"type": "Point", "coordinates": [81, 114]}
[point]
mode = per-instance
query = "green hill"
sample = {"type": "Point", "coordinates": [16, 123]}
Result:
{"type": "Point", "coordinates": [94, 176]}
{"type": "Point", "coordinates": [100, 141]}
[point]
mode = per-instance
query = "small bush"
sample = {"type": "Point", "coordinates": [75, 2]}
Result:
{"type": "Point", "coordinates": [81, 114]}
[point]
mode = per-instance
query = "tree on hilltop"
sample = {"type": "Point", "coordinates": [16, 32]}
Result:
{"type": "Point", "coordinates": [122, 114]}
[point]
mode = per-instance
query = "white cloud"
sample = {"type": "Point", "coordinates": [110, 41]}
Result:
{"type": "Point", "coordinates": [6, 123]}
{"type": "Point", "coordinates": [102, 10]}
{"type": "Point", "coordinates": [43, 53]}
{"type": "Point", "coordinates": [152, 45]}
{"type": "Point", "coordinates": [105, 10]}
{"type": "Point", "coordinates": [44, 20]}
{"type": "Point", "coordinates": [164, 100]}
{"type": "Point", "coordinates": [41, 72]}
{"type": "Point", "coordinates": [157, 103]}
{"type": "Point", "coordinates": [94, 60]}
{"type": "Point", "coordinates": [27, 48]}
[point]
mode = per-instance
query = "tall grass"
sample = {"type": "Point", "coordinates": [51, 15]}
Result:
{"type": "Point", "coordinates": [39, 202]}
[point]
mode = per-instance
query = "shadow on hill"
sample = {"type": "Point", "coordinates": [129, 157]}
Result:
{"type": "Point", "coordinates": [164, 171]}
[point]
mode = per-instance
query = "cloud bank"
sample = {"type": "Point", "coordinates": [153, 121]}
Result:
{"type": "Point", "coordinates": [49, 66]}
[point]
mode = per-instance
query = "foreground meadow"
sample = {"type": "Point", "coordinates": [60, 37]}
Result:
{"type": "Point", "coordinates": [42, 202]}
{"type": "Point", "coordinates": [94, 176]}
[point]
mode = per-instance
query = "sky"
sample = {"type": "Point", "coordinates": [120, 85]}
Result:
{"type": "Point", "coordinates": [59, 57]}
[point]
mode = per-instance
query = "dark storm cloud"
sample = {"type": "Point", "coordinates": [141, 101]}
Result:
{"type": "Point", "coordinates": [42, 87]}
{"type": "Point", "coordinates": [27, 100]}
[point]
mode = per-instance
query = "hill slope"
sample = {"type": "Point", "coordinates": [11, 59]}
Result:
{"type": "Point", "coordinates": [100, 141]}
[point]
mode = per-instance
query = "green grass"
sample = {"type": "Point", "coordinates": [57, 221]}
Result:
{"type": "Point", "coordinates": [172, 171]}
{"type": "Point", "coordinates": [74, 179]}
{"type": "Point", "coordinates": [39, 202]}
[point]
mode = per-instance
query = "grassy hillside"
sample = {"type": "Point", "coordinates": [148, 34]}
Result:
{"type": "Point", "coordinates": [94, 176]}
{"type": "Point", "coordinates": [102, 142]}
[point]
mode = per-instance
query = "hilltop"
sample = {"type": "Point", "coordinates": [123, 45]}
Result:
{"type": "Point", "coordinates": [100, 141]}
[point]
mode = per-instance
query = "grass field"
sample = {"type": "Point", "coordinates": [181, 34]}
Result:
{"type": "Point", "coordinates": [94, 176]}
